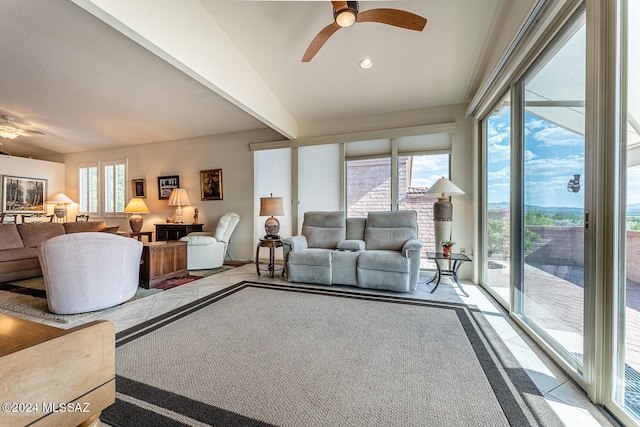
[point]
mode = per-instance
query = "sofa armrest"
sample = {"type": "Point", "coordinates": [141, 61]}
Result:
{"type": "Point", "coordinates": [351, 245]}
{"type": "Point", "coordinates": [411, 245]}
{"type": "Point", "coordinates": [295, 243]}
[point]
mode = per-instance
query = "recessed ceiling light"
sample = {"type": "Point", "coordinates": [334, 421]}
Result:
{"type": "Point", "coordinates": [366, 63]}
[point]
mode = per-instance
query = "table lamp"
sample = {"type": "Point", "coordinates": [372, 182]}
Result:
{"type": "Point", "coordinates": [271, 206]}
{"type": "Point", "coordinates": [443, 208]}
{"type": "Point", "coordinates": [136, 206]}
{"type": "Point", "coordinates": [61, 201]}
{"type": "Point", "coordinates": [179, 198]}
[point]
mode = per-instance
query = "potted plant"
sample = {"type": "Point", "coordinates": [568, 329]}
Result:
{"type": "Point", "coordinates": [446, 247]}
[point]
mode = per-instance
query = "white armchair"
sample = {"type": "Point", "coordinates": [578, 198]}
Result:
{"type": "Point", "coordinates": [89, 271]}
{"type": "Point", "coordinates": [205, 251]}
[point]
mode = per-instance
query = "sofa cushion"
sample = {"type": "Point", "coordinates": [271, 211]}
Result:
{"type": "Point", "coordinates": [390, 230]}
{"type": "Point", "coordinates": [18, 254]}
{"type": "Point", "coordinates": [34, 233]}
{"type": "Point", "coordinates": [351, 245]}
{"type": "Point", "coordinates": [10, 237]}
{"type": "Point", "coordinates": [383, 261]}
{"type": "Point", "coordinates": [198, 240]}
{"type": "Point", "coordinates": [311, 256]}
{"type": "Point", "coordinates": [84, 226]}
{"type": "Point", "coordinates": [355, 228]}
{"type": "Point", "coordinates": [343, 268]}
{"type": "Point", "coordinates": [310, 266]}
{"type": "Point", "coordinates": [324, 229]}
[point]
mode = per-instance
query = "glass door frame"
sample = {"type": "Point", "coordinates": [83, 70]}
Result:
{"type": "Point", "coordinates": [559, 354]}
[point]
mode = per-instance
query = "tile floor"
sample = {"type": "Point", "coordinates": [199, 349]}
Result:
{"type": "Point", "coordinates": [569, 402]}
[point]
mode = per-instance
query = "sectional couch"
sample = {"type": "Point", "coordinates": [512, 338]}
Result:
{"type": "Point", "coordinates": [381, 251]}
{"type": "Point", "coordinates": [19, 245]}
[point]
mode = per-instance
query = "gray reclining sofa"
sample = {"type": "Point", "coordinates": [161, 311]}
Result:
{"type": "Point", "coordinates": [381, 251]}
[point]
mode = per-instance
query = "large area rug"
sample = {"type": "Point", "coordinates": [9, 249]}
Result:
{"type": "Point", "coordinates": [260, 354]}
{"type": "Point", "coordinates": [29, 297]}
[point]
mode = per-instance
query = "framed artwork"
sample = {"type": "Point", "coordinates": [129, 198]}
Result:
{"type": "Point", "coordinates": [166, 184]}
{"type": "Point", "coordinates": [139, 188]}
{"type": "Point", "coordinates": [211, 184]}
{"type": "Point", "coordinates": [23, 195]}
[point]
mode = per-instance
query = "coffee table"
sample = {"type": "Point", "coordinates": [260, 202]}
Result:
{"type": "Point", "coordinates": [161, 261]}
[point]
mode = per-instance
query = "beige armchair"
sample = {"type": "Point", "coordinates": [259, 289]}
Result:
{"type": "Point", "coordinates": [89, 271]}
{"type": "Point", "coordinates": [206, 251]}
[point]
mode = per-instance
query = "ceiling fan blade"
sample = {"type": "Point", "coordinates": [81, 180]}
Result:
{"type": "Point", "coordinates": [339, 5]}
{"type": "Point", "coordinates": [28, 132]}
{"type": "Point", "coordinates": [395, 17]}
{"type": "Point", "coordinates": [319, 41]}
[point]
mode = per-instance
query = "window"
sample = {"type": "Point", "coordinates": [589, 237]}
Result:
{"type": "Point", "coordinates": [88, 183]}
{"type": "Point", "coordinates": [114, 187]}
{"type": "Point", "coordinates": [113, 193]}
{"type": "Point", "coordinates": [395, 174]}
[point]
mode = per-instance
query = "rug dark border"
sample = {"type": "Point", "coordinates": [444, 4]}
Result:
{"type": "Point", "coordinates": [40, 293]}
{"type": "Point", "coordinates": [527, 408]}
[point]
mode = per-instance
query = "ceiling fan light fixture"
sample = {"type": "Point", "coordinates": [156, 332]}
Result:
{"type": "Point", "coordinates": [9, 133]}
{"type": "Point", "coordinates": [346, 18]}
{"type": "Point", "coordinates": [366, 63]}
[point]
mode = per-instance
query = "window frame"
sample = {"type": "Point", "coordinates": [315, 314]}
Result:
{"type": "Point", "coordinates": [103, 186]}
{"type": "Point", "coordinates": [85, 189]}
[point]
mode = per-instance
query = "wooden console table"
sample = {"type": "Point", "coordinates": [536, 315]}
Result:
{"type": "Point", "coordinates": [161, 261]}
{"type": "Point", "coordinates": [47, 370]}
{"type": "Point", "coordinates": [168, 231]}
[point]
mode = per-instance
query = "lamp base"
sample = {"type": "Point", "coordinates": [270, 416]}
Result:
{"type": "Point", "coordinates": [442, 233]}
{"type": "Point", "coordinates": [272, 227]}
{"type": "Point", "coordinates": [135, 222]}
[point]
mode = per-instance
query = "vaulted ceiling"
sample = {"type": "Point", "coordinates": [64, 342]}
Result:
{"type": "Point", "coordinates": [94, 74]}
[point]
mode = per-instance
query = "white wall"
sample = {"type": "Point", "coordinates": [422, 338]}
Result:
{"type": "Point", "coordinates": [186, 158]}
{"type": "Point", "coordinates": [53, 172]}
{"type": "Point", "coordinates": [231, 153]}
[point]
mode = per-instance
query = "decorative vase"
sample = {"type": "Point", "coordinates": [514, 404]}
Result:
{"type": "Point", "coordinates": [446, 250]}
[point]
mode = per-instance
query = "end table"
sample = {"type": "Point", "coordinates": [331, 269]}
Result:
{"type": "Point", "coordinates": [272, 244]}
{"type": "Point", "coordinates": [453, 265]}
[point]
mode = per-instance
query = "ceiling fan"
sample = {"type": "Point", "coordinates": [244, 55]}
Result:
{"type": "Point", "coordinates": [345, 14]}
{"type": "Point", "coordinates": [8, 130]}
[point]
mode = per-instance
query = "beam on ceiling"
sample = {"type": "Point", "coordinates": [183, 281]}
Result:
{"type": "Point", "coordinates": [185, 35]}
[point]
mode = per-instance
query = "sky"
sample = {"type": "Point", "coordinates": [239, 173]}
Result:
{"type": "Point", "coordinates": [428, 169]}
{"type": "Point", "coordinates": [553, 155]}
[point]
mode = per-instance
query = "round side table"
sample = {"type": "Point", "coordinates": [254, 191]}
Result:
{"type": "Point", "coordinates": [272, 244]}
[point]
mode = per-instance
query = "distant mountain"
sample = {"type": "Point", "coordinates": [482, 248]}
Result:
{"type": "Point", "coordinates": [545, 210]}
{"type": "Point", "coordinates": [632, 209]}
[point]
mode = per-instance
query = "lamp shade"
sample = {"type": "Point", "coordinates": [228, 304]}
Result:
{"type": "Point", "coordinates": [444, 187]}
{"type": "Point", "coordinates": [136, 205]}
{"type": "Point", "coordinates": [179, 197]}
{"type": "Point", "coordinates": [271, 206]}
{"type": "Point", "coordinates": [60, 199]}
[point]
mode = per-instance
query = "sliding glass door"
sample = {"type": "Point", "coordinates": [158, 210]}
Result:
{"type": "Point", "coordinates": [552, 287]}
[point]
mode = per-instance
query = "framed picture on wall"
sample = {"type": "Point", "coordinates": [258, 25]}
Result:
{"type": "Point", "coordinates": [166, 184]}
{"type": "Point", "coordinates": [23, 195]}
{"type": "Point", "coordinates": [139, 188]}
{"type": "Point", "coordinates": [211, 184]}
